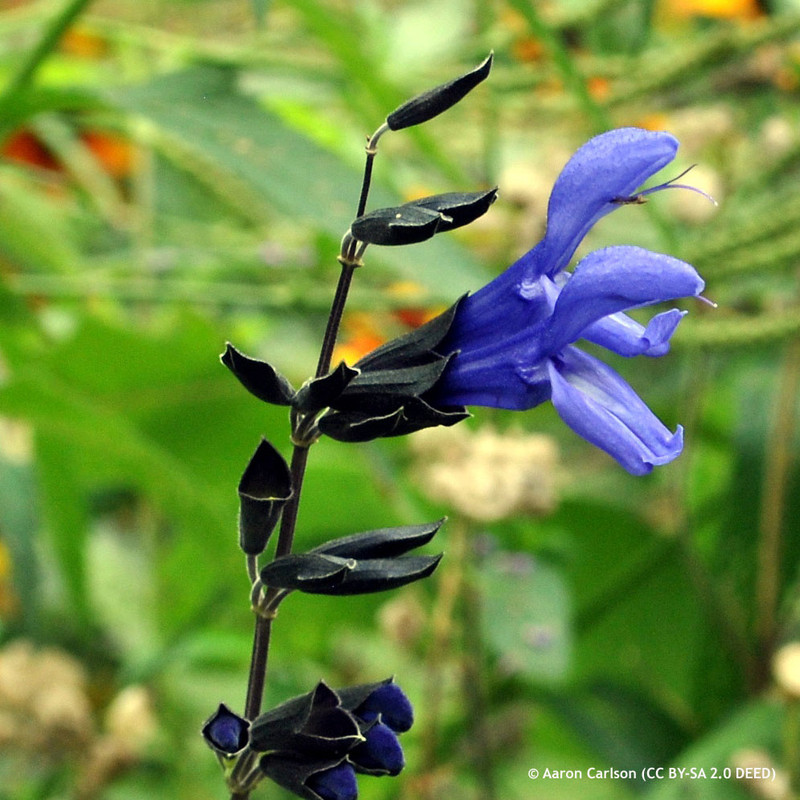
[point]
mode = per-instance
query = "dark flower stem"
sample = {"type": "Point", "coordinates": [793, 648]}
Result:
{"type": "Point", "coordinates": [263, 624]}
{"type": "Point", "coordinates": [335, 317]}
{"type": "Point", "coordinates": [372, 150]}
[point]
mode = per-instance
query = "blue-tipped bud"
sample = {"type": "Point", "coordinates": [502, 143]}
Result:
{"type": "Point", "coordinates": [337, 783]}
{"type": "Point", "coordinates": [225, 731]}
{"type": "Point", "coordinates": [390, 702]}
{"type": "Point", "coordinates": [380, 753]}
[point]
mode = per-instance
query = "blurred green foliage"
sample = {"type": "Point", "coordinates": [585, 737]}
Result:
{"type": "Point", "coordinates": [175, 175]}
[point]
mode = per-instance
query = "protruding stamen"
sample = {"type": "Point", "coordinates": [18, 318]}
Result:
{"type": "Point", "coordinates": [641, 197]}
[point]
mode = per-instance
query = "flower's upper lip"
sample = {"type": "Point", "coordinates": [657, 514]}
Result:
{"type": "Point", "coordinates": [612, 165]}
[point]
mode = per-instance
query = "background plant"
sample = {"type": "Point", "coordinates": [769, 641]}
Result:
{"type": "Point", "coordinates": [174, 178]}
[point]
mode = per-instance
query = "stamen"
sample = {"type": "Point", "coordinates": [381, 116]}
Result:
{"type": "Point", "coordinates": [640, 198]}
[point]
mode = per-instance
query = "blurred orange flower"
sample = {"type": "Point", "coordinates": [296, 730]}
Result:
{"type": "Point", "coordinates": [718, 9]}
{"type": "Point", "coordinates": [363, 331]}
{"type": "Point", "coordinates": [114, 152]}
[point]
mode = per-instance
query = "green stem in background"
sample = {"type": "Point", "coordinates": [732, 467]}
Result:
{"type": "Point", "coordinates": [443, 629]}
{"type": "Point", "coordinates": [473, 675]}
{"type": "Point", "coordinates": [725, 613]}
{"type": "Point", "coordinates": [564, 62]}
{"type": "Point", "coordinates": [779, 452]}
{"type": "Point", "coordinates": [791, 738]}
{"type": "Point", "coordinates": [23, 77]}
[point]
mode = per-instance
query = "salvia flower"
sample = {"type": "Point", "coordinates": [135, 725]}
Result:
{"type": "Point", "coordinates": [514, 339]}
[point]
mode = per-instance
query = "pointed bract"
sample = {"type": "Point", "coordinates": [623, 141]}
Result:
{"type": "Point", "coordinates": [430, 104]}
{"type": "Point", "coordinates": [396, 226]}
{"type": "Point", "coordinates": [264, 489]}
{"type": "Point", "coordinates": [321, 392]}
{"type": "Point", "coordinates": [314, 573]}
{"type": "Point", "coordinates": [457, 208]}
{"type": "Point", "coordinates": [258, 377]}
{"type": "Point", "coordinates": [381, 543]}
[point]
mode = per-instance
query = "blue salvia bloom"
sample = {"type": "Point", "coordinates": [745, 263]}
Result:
{"type": "Point", "coordinates": [514, 337]}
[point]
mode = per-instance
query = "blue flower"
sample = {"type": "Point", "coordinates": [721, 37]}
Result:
{"type": "Point", "coordinates": [513, 339]}
{"type": "Point", "coordinates": [226, 732]}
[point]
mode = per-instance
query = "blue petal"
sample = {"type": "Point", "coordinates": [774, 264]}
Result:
{"type": "Point", "coordinates": [498, 311]}
{"type": "Point", "coordinates": [626, 337]}
{"type": "Point", "coordinates": [226, 731]}
{"type": "Point", "coordinates": [607, 168]}
{"type": "Point", "coordinates": [615, 279]}
{"type": "Point", "coordinates": [380, 753]}
{"type": "Point", "coordinates": [495, 380]}
{"type": "Point", "coordinates": [600, 406]}
{"type": "Point", "coordinates": [390, 701]}
{"type": "Point", "coordinates": [337, 783]}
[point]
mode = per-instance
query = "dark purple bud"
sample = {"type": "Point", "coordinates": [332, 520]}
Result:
{"type": "Point", "coordinates": [264, 489]}
{"type": "Point", "coordinates": [430, 104]}
{"type": "Point", "coordinates": [225, 731]}
{"type": "Point", "coordinates": [390, 702]}
{"type": "Point", "coordinates": [380, 753]}
{"type": "Point", "coordinates": [337, 783]}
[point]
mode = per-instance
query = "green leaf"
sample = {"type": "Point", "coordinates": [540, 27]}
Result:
{"type": "Point", "coordinates": [65, 506]}
{"type": "Point", "coordinates": [36, 233]}
{"type": "Point", "coordinates": [258, 165]}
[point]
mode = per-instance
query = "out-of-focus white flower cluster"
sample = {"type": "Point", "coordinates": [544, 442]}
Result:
{"type": "Point", "coordinates": [486, 475]}
{"type": "Point", "coordinates": [47, 717]}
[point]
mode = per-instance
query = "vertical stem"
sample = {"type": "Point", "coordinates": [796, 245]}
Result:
{"type": "Point", "coordinates": [263, 625]}
{"type": "Point", "coordinates": [258, 667]}
{"type": "Point", "coordinates": [779, 457]}
{"type": "Point", "coordinates": [362, 201]}
{"type": "Point", "coordinates": [372, 150]}
{"type": "Point", "coordinates": [335, 317]}
{"type": "Point", "coordinates": [55, 30]}
{"type": "Point", "coordinates": [289, 516]}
